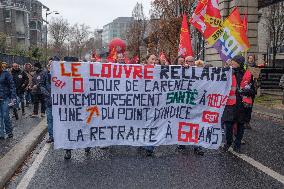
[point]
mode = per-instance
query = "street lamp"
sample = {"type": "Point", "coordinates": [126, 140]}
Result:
{"type": "Point", "coordinates": [46, 14]}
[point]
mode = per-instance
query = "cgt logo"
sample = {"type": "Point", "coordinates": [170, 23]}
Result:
{"type": "Point", "coordinates": [210, 117]}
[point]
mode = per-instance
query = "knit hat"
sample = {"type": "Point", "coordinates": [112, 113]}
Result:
{"type": "Point", "coordinates": [38, 65]}
{"type": "Point", "coordinates": [240, 60]}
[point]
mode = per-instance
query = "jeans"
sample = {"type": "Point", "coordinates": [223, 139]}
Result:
{"type": "Point", "coordinates": [20, 101]}
{"type": "Point", "coordinates": [229, 134]}
{"type": "Point", "coordinates": [49, 121]}
{"type": "Point", "coordinates": [28, 97]}
{"type": "Point", "coordinates": [5, 122]}
{"type": "Point", "coordinates": [38, 98]}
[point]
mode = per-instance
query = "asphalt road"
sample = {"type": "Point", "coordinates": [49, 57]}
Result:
{"type": "Point", "coordinates": [126, 167]}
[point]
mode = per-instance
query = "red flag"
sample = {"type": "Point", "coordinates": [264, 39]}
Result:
{"type": "Point", "coordinates": [112, 56]}
{"type": "Point", "coordinates": [95, 56]}
{"type": "Point", "coordinates": [207, 19]}
{"type": "Point", "coordinates": [185, 48]}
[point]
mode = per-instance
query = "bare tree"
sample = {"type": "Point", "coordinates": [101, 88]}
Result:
{"type": "Point", "coordinates": [58, 31]}
{"type": "Point", "coordinates": [79, 36]}
{"type": "Point", "coordinates": [165, 29]}
{"type": "Point", "coordinates": [137, 30]}
{"type": "Point", "coordinates": [274, 17]}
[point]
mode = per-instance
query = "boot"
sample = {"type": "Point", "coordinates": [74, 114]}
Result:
{"type": "Point", "coordinates": [198, 151]}
{"type": "Point", "coordinates": [67, 154]}
{"type": "Point", "coordinates": [16, 114]}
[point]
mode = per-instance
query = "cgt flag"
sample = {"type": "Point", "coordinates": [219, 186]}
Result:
{"type": "Point", "coordinates": [207, 20]}
{"type": "Point", "coordinates": [185, 48]}
{"type": "Point", "coordinates": [234, 40]}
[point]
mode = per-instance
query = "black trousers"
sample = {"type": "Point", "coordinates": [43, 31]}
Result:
{"type": "Point", "coordinates": [229, 134]}
{"type": "Point", "coordinates": [38, 98]}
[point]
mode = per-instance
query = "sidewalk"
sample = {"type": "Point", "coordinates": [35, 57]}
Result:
{"type": "Point", "coordinates": [13, 152]}
{"type": "Point", "coordinates": [269, 105]}
{"type": "Point", "coordinates": [277, 113]}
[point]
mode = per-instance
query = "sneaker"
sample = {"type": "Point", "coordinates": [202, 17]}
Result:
{"type": "Point", "coordinates": [87, 150]}
{"type": "Point", "coordinates": [50, 140]}
{"type": "Point", "coordinates": [149, 152]}
{"type": "Point", "coordinates": [226, 148]}
{"type": "Point", "coordinates": [181, 147]}
{"type": "Point", "coordinates": [34, 116]}
{"type": "Point", "coordinates": [42, 115]}
{"type": "Point", "coordinates": [199, 151]}
{"type": "Point", "coordinates": [248, 126]}
{"type": "Point", "coordinates": [67, 154]}
{"type": "Point", "coordinates": [16, 116]}
{"type": "Point", "coordinates": [10, 135]}
{"type": "Point", "coordinates": [243, 142]}
{"type": "Point", "coordinates": [237, 150]}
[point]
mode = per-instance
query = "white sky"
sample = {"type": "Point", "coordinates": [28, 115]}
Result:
{"type": "Point", "coordinates": [94, 13]}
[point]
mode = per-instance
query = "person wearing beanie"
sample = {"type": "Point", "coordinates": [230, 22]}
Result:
{"type": "Point", "coordinates": [239, 100]}
{"type": "Point", "coordinates": [36, 92]}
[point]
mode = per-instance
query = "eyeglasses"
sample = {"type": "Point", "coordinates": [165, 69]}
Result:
{"type": "Point", "coordinates": [189, 61]}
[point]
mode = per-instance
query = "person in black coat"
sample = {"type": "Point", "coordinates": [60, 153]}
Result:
{"type": "Point", "coordinates": [36, 92]}
{"type": "Point", "coordinates": [237, 113]}
{"type": "Point", "coordinates": [21, 81]}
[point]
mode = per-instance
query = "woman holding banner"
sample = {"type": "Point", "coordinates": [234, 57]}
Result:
{"type": "Point", "coordinates": [240, 98]}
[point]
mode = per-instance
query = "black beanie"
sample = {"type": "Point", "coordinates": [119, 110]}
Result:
{"type": "Point", "coordinates": [38, 65]}
{"type": "Point", "coordinates": [240, 60]}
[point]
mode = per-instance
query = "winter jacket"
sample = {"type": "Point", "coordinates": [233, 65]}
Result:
{"type": "Point", "coordinates": [45, 87]}
{"type": "Point", "coordinates": [21, 81]}
{"type": "Point", "coordinates": [35, 82]}
{"type": "Point", "coordinates": [237, 112]}
{"type": "Point", "coordinates": [7, 88]}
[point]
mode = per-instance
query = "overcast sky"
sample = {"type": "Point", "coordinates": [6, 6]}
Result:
{"type": "Point", "coordinates": [94, 13]}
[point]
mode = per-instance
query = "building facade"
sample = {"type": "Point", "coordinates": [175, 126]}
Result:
{"type": "Point", "coordinates": [21, 21]}
{"type": "Point", "coordinates": [116, 29]}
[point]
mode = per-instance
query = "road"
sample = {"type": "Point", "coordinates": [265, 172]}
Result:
{"type": "Point", "coordinates": [261, 166]}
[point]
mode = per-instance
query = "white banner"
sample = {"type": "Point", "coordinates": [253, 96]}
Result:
{"type": "Point", "coordinates": [97, 104]}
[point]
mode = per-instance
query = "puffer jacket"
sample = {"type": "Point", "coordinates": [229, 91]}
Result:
{"type": "Point", "coordinates": [7, 87]}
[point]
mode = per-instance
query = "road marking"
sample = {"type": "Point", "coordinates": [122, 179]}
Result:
{"type": "Point", "coordinates": [260, 167]}
{"type": "Point", "coordinates": [32, 170]}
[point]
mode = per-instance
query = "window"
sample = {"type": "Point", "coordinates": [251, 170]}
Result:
{"type": "Point", "coordinates": [7, 15]}
{"type": "Point", "coordinates": [39, 25]}
{"type": "Point", "coordinates": [32, 25]}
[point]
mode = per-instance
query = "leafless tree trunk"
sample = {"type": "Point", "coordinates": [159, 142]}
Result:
{"type": "Point", "coordinates": [275, 26]}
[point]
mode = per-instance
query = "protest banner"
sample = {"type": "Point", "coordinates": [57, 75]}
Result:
{"type": "Point", "coordinates": [104, 104]}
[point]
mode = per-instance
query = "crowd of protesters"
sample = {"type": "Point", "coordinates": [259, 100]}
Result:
{"type": "Point", "coordinates": [31, 84]}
